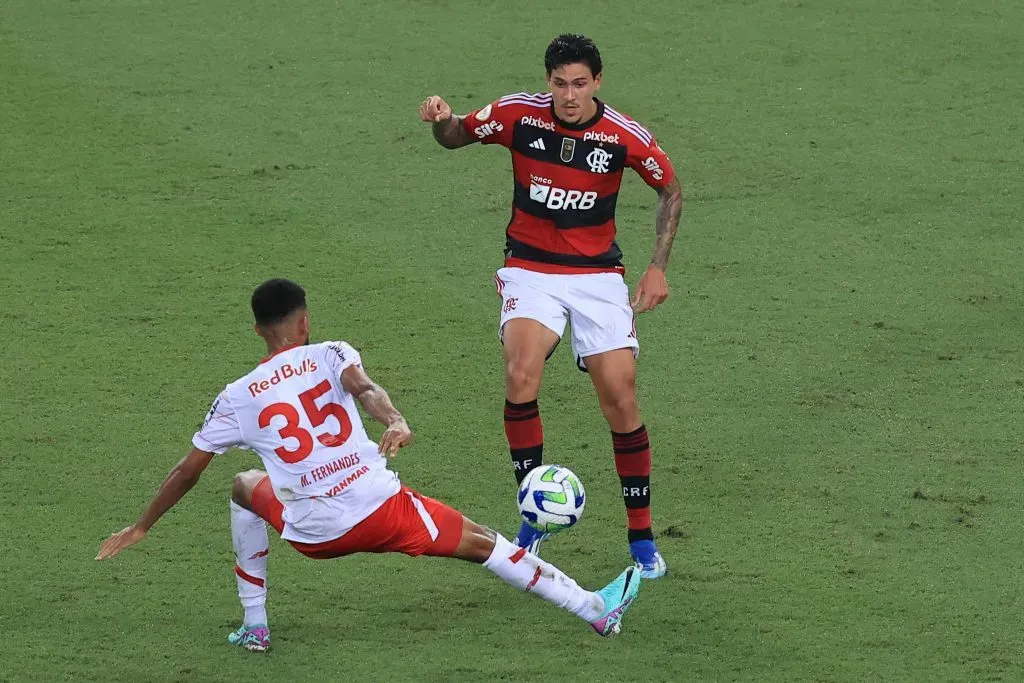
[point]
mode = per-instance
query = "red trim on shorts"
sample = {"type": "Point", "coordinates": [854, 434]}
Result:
{"type": "Point", "coordinates": [249, 577]}
{"type": "Point", "coordinates": [553, 269]}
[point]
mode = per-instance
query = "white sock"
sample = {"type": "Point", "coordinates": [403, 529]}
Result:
{"type": "Point", "coordinates": [528, 572]}
{"type": "Point", "coordinates": [249, 539]}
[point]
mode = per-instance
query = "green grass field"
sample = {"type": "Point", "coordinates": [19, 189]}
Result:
{"type": "Point", "coordinates": [834, 389]}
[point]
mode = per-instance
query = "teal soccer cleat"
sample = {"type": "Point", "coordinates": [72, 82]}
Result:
{"type": "Point", "coordinates": [618, 596]}
{"type": "Point", "coordinates": [254, 638]}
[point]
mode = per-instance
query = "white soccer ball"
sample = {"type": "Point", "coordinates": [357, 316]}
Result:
{"type": "Point", "coordinates": [551, 498]}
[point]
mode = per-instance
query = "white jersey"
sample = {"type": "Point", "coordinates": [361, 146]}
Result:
{"type": "Point", "coordinates": [294, 413]}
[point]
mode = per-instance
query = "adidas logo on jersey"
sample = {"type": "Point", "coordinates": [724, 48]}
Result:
{"type": "Point", "coordinates": [537, 123]}
{"type": "Point", "coordinates": [601, 137]}
{"type": "Point", "coordinates": [538, 144]}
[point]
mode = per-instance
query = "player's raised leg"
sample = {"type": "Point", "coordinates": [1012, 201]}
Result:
{"type": "Point", "coordinates": [249, 539]}
{"type": "Point", "coordinates": [526, 344]}
{"type": "Point", "coordinates": [614, 377]}
{"type": "Point", "coordinates": [603, 609]}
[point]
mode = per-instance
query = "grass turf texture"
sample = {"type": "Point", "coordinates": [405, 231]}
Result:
{"type": "Point", "coordinates": [833, 390]}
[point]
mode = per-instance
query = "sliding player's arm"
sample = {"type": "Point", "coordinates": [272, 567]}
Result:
{"type": "Point", "coordinates": [448, 128]}
{"type": "Point", "coordinates": [377, 404]}
{"type": "Point", "coordinates": [218, 433]}
{"type": "Point", "coordinates": [653, 165]}
{"type": "Point", "coordinates": [178, 482]}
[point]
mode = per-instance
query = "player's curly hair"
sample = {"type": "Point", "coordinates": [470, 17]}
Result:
{"type": "Point", "coordinates": [572, 48]}
{"type": "Point", "coordinates": [276, 299]}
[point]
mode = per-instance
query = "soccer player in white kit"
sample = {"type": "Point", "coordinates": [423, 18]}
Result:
{"type": "Point", "coordinates": [327, 489]}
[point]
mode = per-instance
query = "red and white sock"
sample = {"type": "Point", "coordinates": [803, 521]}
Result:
{"type": "Point", "coordinates": [249, 539]}
{"type": "Point", "coordinates": [529, 573]}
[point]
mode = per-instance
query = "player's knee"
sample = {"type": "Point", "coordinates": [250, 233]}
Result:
{"type": "Point", "coordinates": [483, 544]}
{"type": "Point", "coordinates": [523, 376]}
{"type": "Point", "coordinates": [622, 406]}
{"type": "Point", "coordinates": [477, 542]}
{"type": "Point", "coordinates": [243, 485]}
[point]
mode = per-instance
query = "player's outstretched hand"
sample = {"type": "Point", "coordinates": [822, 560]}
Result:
{"type": "Point", "coordinates": [651, 290]}
{"type": "Point", "coordinates": [434, 109]}
{"type": "Point", "coordinates": [395, 436]}
{"type": "Point", "coordinates": [124, 538]}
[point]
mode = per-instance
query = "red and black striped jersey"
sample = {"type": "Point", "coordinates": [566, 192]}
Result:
{"type": "Point", "coordinates": [567, 179]}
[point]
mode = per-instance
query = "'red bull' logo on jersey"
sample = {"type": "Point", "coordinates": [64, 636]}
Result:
{"type": "Point", "coordinates": [286, 371]}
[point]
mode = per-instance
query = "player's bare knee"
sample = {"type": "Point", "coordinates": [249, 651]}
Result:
{"type": "Point", "coordinates": [621, 402]}
{"type": "Point", "coordinates": [483, 544]}
{"type": "Point", "coordinates": [621, 408]}
{"type": "Point", "coordinates": [477, 542]}
{"type": "Point", "coordinates": [242, 487]}
{"type": "Point", "coordinates": [523, 377]}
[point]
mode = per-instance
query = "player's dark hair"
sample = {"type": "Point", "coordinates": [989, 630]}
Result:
{"type": "Point", "coordinates": [572, 48]}
{"type": "Point", "coordinates": [276, 299]}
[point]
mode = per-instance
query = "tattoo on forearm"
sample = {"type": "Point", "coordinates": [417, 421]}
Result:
{"type": "Point", "coordinates": [670, 208]}
{"type": "Point", "coordinates": [450, 133]}
{"type": "Point", "coordinates": [377, 404]}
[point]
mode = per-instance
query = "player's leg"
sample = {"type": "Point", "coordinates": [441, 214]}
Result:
{"type": "Point", "coordinates": [605, 343]}
{"type": "Point", "coordinates": [415, 525]}
{"type": "Point", "coordinates": [526, 344]}
{"type": "Point", "coordinates": [252, 500]}
{"type": "Point", "coordinates": [614, 376]}
{"type": "Point", "coordinates": [531, 324]}
{"type": "Point", "coordinates": [522, 569]}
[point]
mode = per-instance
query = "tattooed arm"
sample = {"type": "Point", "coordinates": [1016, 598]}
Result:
{"type": "Point", "coordinates": [447, 127]}
{"type": "Point", "coordinates": [451, 134]}
{"type": "Point", "coordinates": [670, 208]}
{"type": "Point", "coordinates": [377, 404]}
{"type": "Point", "coordinates": [653, 286]}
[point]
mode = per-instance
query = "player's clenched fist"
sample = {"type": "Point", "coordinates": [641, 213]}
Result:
{"type": "Point", "coordinates": [434, 109]}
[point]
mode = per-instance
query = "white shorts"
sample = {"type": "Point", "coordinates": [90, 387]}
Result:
{"type": "Point", "coordinates": [596, 306]}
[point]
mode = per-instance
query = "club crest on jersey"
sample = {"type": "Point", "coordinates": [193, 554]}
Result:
{"type": "Point", "coordinates": [568, 149]}
{"type": "Point", "coordinates": [598, 160]}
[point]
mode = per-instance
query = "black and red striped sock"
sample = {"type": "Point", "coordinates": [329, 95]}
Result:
{"type": "Point", "coordinates": [525, 435]}
{"type": "Point", "coordinates": [633, 464]}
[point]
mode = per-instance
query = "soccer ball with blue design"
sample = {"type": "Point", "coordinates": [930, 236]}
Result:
{"type": "Point", "coordinates": [551, 498]}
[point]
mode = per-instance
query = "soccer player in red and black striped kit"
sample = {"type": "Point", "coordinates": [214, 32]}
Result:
{"type": "Point", "coordinates": [569, 151]}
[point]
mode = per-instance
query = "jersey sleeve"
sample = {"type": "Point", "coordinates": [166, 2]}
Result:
{"type": "Point", "coordinates": [340, 356]}
{"type": "Point", "coordinates": [491, 125]}
{"type": "Point", "coordinates": [220, 430]}
{"type": "Point", "coordinates": [649, 160]}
